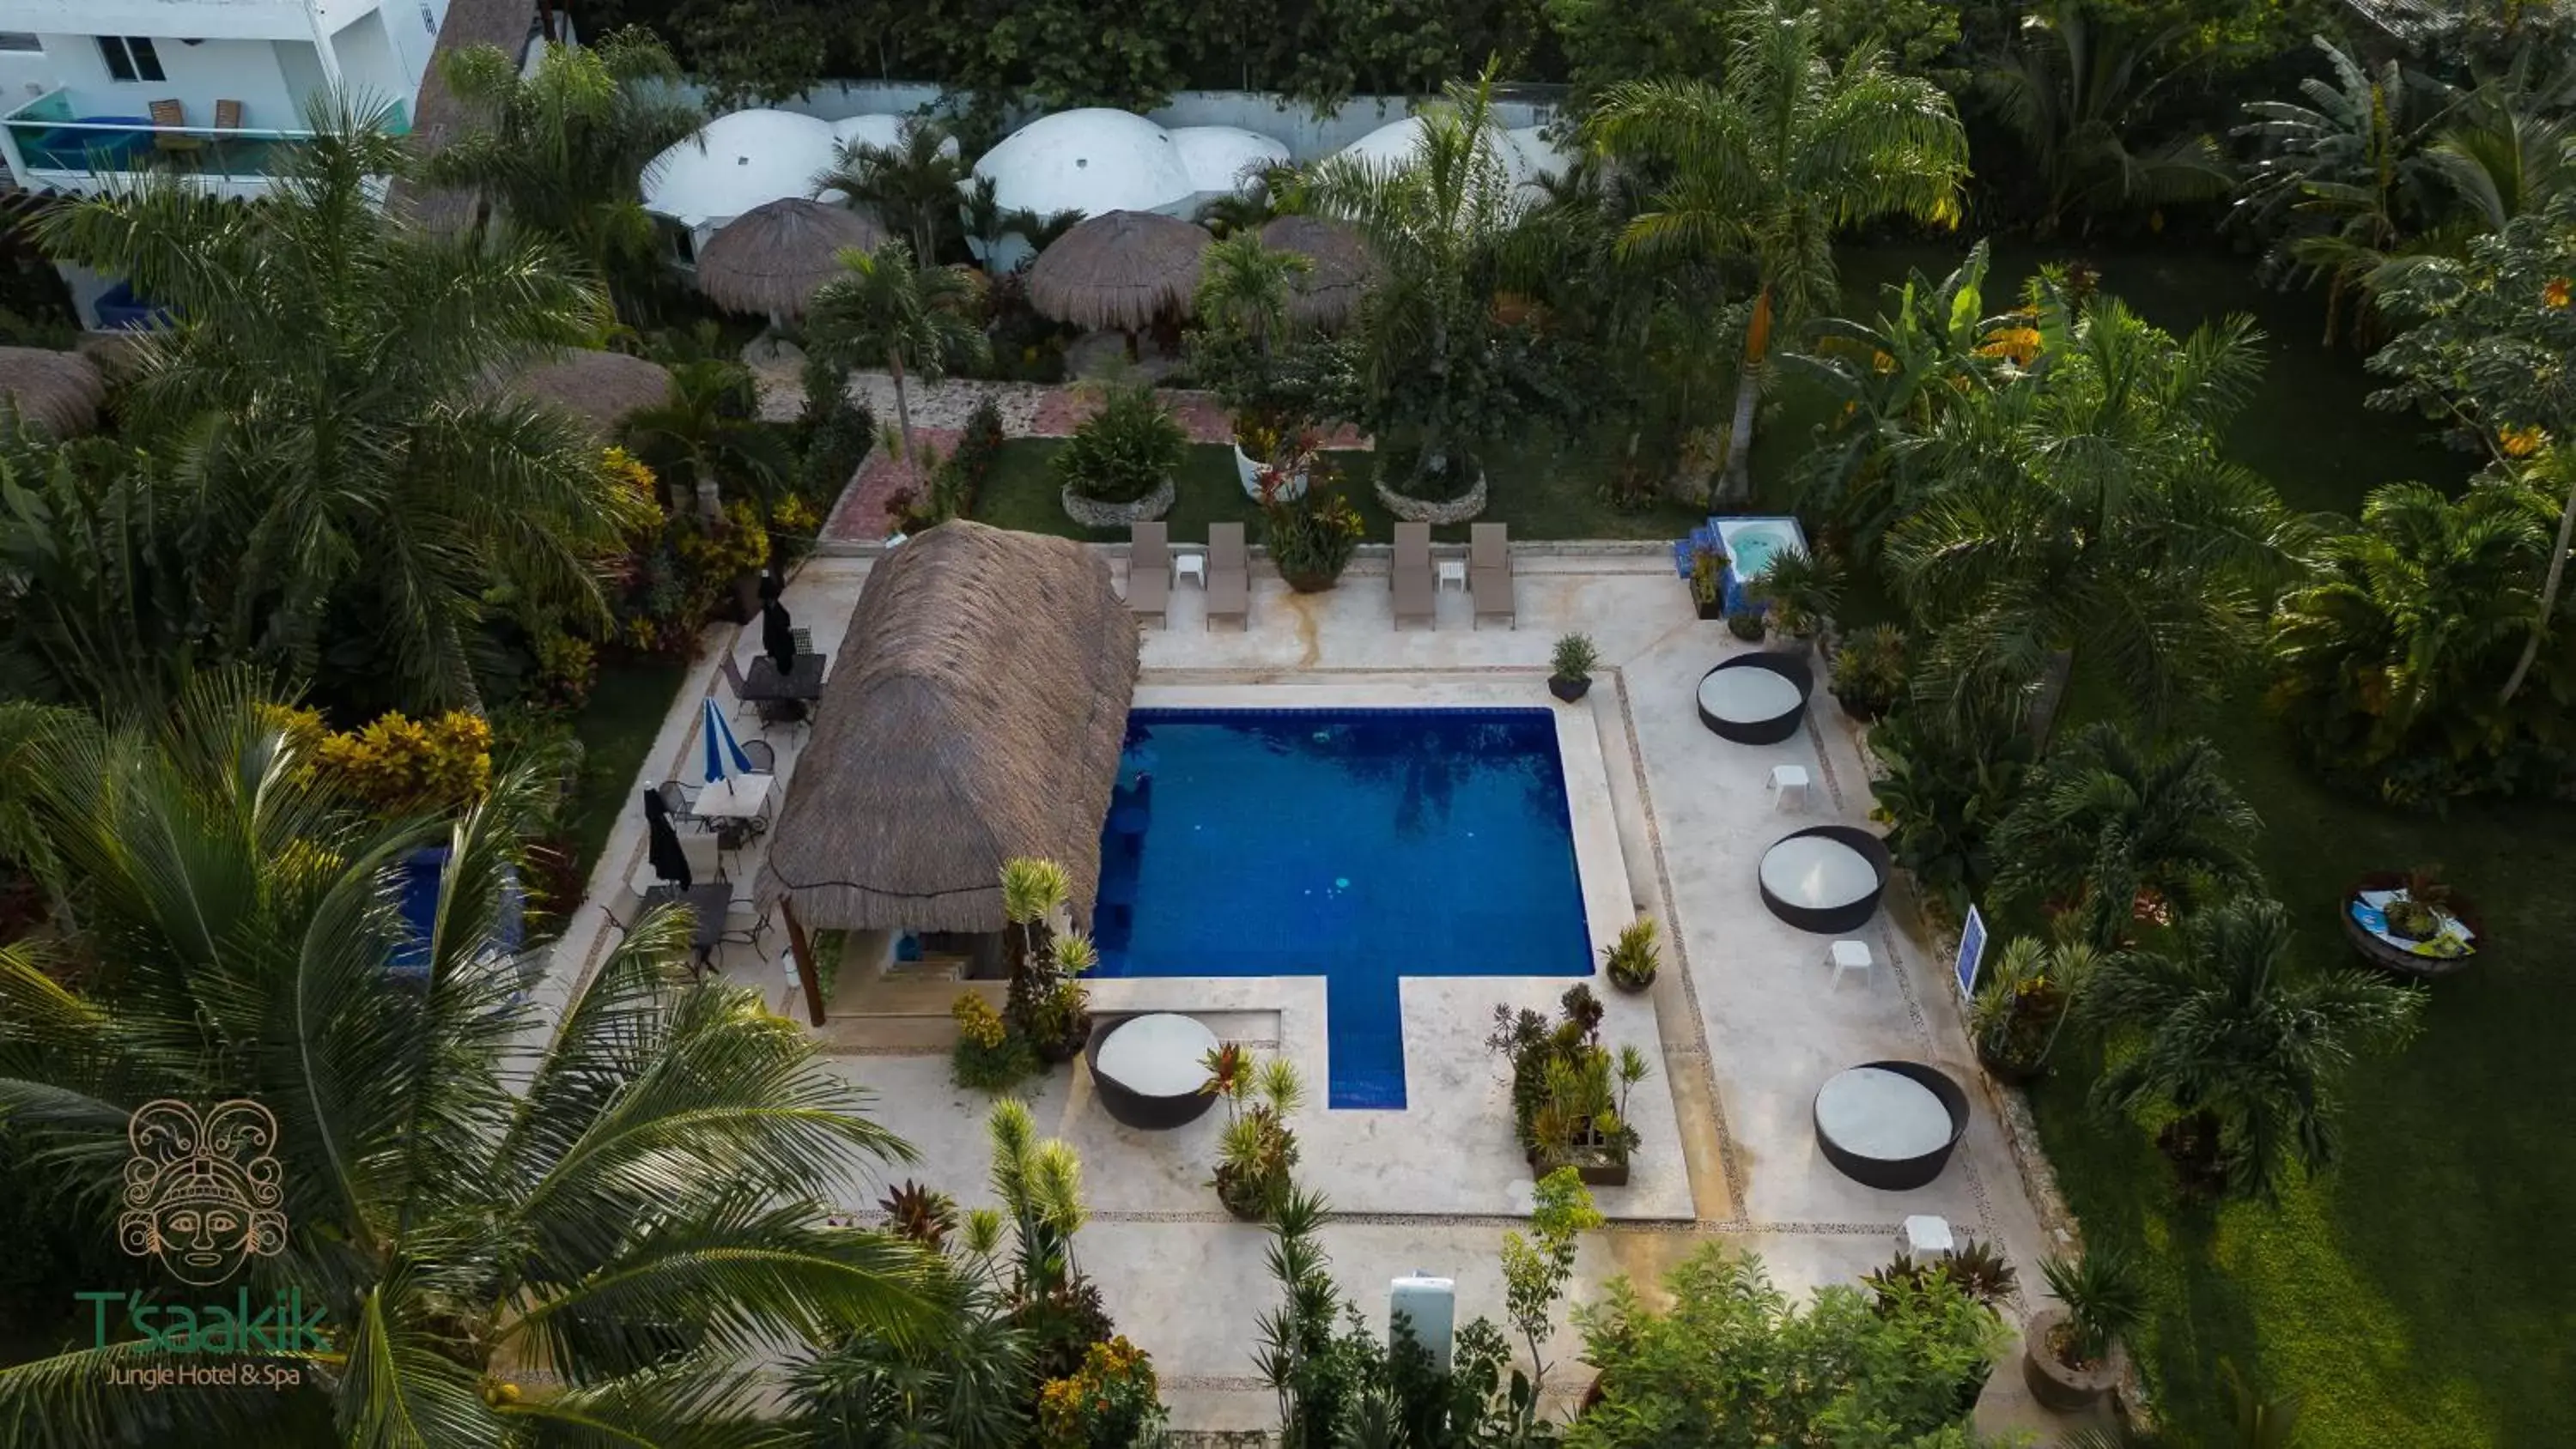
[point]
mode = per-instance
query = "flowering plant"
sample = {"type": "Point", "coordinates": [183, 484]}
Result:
{"type": "Point", "coordinates": [1109, 1403]}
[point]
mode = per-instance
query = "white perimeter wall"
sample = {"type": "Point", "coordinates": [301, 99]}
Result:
{"type": "Point", "coordinates": [197, 75]}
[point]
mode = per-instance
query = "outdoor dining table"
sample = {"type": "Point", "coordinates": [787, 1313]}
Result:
{"type": "Point", "coordinates": [735, 797]}
{"type": "Point", "coordinates": [707, 904]}
{"type": "Point", "coordinates": [802, 682]}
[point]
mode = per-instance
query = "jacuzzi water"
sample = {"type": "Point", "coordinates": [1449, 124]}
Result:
{"type": "Point", "coordinates": [1361, 845]}
{"type": "Point", "coordinates": [1751, 544]}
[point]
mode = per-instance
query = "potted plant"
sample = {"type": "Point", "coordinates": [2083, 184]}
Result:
{"type": "Point", "coordinates": [1311, 537]}
{"type": "Point", "coordinates": [2024, 1001]}
{"type": "Point", "coordinates": [1631, 960]}
{"type": "Point", "coordinates": [1570, 668]}
{"type": "Point", "coordinates": [1708, 582]}
{"type": "Point", "coordinates": [1748, 625]}
{"type": "Point", "coordinates": [1869, 672]}
{"type": "Point", "coordinates": [1117, 467]}
{"type": "Point", "coordinates": [1272, 459]}
{"type": "Point", "coordinates": [1256, 1151]}
{"type": "Point", "coordinates": [2420, 913]}
{"type": "Point", "coordinates": [2071, 1353]}
{"type": "Point", "coordinates": [1570, 1092]}
{"type": "Point", "coordinates": [1802, 589]}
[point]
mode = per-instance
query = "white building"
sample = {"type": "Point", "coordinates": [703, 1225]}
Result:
{"type": "Point", "coordinates": [80, 81]}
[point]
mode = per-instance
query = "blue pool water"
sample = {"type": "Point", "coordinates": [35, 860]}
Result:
{"type": "Point", "coordinates": [1359, 845]}
{"type": "Point", "coordinates": [1750, 544]}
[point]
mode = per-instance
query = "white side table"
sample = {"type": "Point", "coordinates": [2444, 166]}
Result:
{"type": "Point", "coordinates": [1848, 956]}
{"type": "Point", "coordinates": [1453, 571]}
{"type": "Point", "coordinates": [1928, 1239]}
{"type": "Point", "coordinates": [1190, 566]}
{"type": "Point", "coordinates": [1789, 787]}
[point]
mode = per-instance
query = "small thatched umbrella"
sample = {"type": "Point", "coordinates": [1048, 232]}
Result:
{"type": "Point", "coordinates": [771, 259]}
{"type": "Point", "coordinates": [600, 388]}
{"type": "Point", "coordinates": [1329, 292]}
{"type": "Point", "coordinates": [54, 392]}
{"type": "Point", "coordinates": [1123, 270]}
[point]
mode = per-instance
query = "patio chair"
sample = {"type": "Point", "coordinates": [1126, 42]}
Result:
{"type": "Point", "coordinates": [1411, 576]}
{"type": "Point", "coordinates": [1229, 577]}
{"type": "Point", "coordinates": [677, 804]}
{"type": "Point", "coordinates": [1489, 573]}
{"type": "Point", "coordinates": [738, 684]}
{"type": "Point", "coordinates": [1149, 572]}
{"type": "Point", "coordinates": [746, 923]}
{"type": "Point", "coordinates": [763, 757]}
{"type": "Point", "coordinates": [803, 639]}
{"type": "Point", "coordinates": [168, 116]}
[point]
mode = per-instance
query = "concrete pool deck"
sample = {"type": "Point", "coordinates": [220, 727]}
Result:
{"type": "Point", "coordinates": [1746, 1025]}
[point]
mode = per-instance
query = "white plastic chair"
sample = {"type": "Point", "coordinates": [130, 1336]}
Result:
{"type": "Point", "coordinates": [1849, 956]}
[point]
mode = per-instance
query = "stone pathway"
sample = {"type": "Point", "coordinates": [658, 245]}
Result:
{"type": "Point", "coordinates": [939, 413]}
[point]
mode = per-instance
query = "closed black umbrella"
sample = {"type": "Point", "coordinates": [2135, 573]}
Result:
{"type": "Point", "coordinates": [777, 640]}
{"type": "Point", "coordinates": [662, 843]}
{"type": "Point", "coordinates": [772, 584]}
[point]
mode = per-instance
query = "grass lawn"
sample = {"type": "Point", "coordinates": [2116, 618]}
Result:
{"type": "Point", "coordinates": [2419, 1294]}
{"type": "Point", "coordinates": [616, 729]}
{"type": "Point", "coordinates": [1531, 492]}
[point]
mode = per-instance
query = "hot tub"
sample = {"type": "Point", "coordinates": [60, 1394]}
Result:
{"type": "Point", "coordinates": [1751, 544]}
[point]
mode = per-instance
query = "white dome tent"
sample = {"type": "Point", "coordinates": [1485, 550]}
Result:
{"type": "Point", "coordinates": [1526, 154]}
{"type": "Point", "coordinates": [1094, 161]}
{"type": "Point", "coordinates": [735, 163]}
{"type": "Point", "coordinates": [1224, 160]}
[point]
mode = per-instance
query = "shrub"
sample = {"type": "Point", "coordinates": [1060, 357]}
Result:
{"type": "Point", "coordinates": [721, 552]}
{"type": "Point", "coordinates": [1257, 1151]}
{"type": "Point", "coordinates": [1944, 792]}
{"type": "Point", "coordinates": [1124, 451]}
{"type": "Point", "coordinates": [1869, 671]}
{"type": "Point", "coordinates": [1708, 575]}
{"type": "Point", "coordinates": [959, 479]}
{"type": "Point", "coordinates": [990, 1057]}
{"type": "Point", "coordinates": [567, 669]}
{"type": "Point", "coordinates": [1569, 1092]}
{"type": "Point", "coordinates": [1630, 960]}
{"type": "Point", "coordinates": [1804, 590]}
{"type": "Point", "coordinates": [1574, 657]}
{"type": "Point", "coordinates": [835, 446]}
{"type": "Point", "coordinates": [400, 766]}
{"type": "Point", "coordinates": [1311, 538]}
{"type": "Point", "coordinates": [1110, 1403]}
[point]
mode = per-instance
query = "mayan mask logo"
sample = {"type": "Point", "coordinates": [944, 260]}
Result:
{"type": "Point", "coordinates": [201, 1193]}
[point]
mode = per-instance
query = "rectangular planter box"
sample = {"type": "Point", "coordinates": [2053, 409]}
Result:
{"type": "Point", "coordinates": [1596, 1169]}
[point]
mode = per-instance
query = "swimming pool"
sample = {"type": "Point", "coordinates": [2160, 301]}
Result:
{"type": "Point", "coordinates": [1359, 845]}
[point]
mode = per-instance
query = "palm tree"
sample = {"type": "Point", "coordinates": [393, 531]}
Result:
{"type": "Point", "coordinates": [2391, 650]}
{"type": "Point", "coordinates": [2076, 93]}
{"type": "Point", "coordinates": [989, 225]}
{"type": "Point", "coordinates": [708, 428]}
{"type": "Point", "coordinates": [912, 185]}
{"type": "Point", "coordinates": [2084, 498]}
{"type": "Point", "coordinates": [2118, 831]}
{"type": "Point", "coordinates": [2248, 1053]}
{"type": "Point", "coordinates": [105, 611]}
{"type": "Point", "coordinates": [328, 387]}
{"type": "Point", "coordinates": [1438, 224]}
{"type": "Point", "coordinates": [882, 307]}
{"type": "Point", "coordinates": [521, 1222]}
{"type": "Point", "coordinates": [564, 153]}
{"type": "Point", "coordinates": [1242, 307]}
{"type": "Point", "coordinates": [1772, 161]}
{"type": "Point", "coordinates": [2344, 181]}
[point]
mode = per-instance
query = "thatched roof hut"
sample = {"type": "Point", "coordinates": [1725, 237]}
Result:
{"type": "Point", "coordinates": [976, 716]}
{"type": "Point", "coordinates": [438, 113]}
{"type": "Point", "coordinates": [1121, 270]}
{"type": "Point", "coordinates": [1329, 293]}
{"type": "Point", "coordinates": [770, 260]}
{"type": "Point", "coordinates": [600, 388]}
{"type": "Point", "coordinates": [55, 392]}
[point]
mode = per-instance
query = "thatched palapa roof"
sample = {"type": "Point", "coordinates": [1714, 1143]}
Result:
{"type": "Point", "coordinates": [600, 388]}
{"type": "Point", "coordinates": [437, 113]}
{"type": "Point", "coordinates": [771, 259]}
{"type": "Point", "coordinates": [1122, 270]}
{"type": "Point", "coordinates": [54, 392]}
{"type": "Point", "coordinates": [975, 716]}
{"type": "Point", "coordinates": [1330, 291]}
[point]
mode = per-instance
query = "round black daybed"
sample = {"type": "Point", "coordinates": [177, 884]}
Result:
{"type": "Point", "coordinates": [1825, 878]}
{"type": "Point", "coordinates": [1890, 1125]}
{"type": "Point", "coordinates": [1150, 1070]}
{"type": "Point", "coordinates": [1756, 699]}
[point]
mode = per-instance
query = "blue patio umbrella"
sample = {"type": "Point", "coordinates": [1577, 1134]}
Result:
{"type": "Point", "coordinates": [724, 756]}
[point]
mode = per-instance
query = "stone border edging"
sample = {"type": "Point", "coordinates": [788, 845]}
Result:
{"type": "Point", "coordinates": [1091, 513]}
{"type": "Point", "coordinates": [1422, 510]}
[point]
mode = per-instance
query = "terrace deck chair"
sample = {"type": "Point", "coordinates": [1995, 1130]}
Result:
{"type": "Point", "coordinates": [1411, 576]}
{"type": "Point", "coordinates": [1489, 573]}
{"type": "Point", "coordinates": [1229, 576]}
{"type": "Point", "coordinates": [738, 684]}
{"type": "Point", "coordinates": [1149, 572]}
{"type": "Point", "coordinates": [168, 116]}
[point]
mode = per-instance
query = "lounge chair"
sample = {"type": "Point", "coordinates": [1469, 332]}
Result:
{"type": "Point", "coordinates": [1489, 573]}
{"type": "Point", "coordinates": [1412, 577]}
{"type": "Point", "coordinates": [1149, 572]}
{"type": "Point", "coordinates": [1229, 576]}
{"type": "Point", "coordinates": [168, 117]}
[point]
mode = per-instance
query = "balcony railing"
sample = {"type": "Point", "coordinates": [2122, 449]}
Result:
{"type": "Point", "coordinates": [55, 144]}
